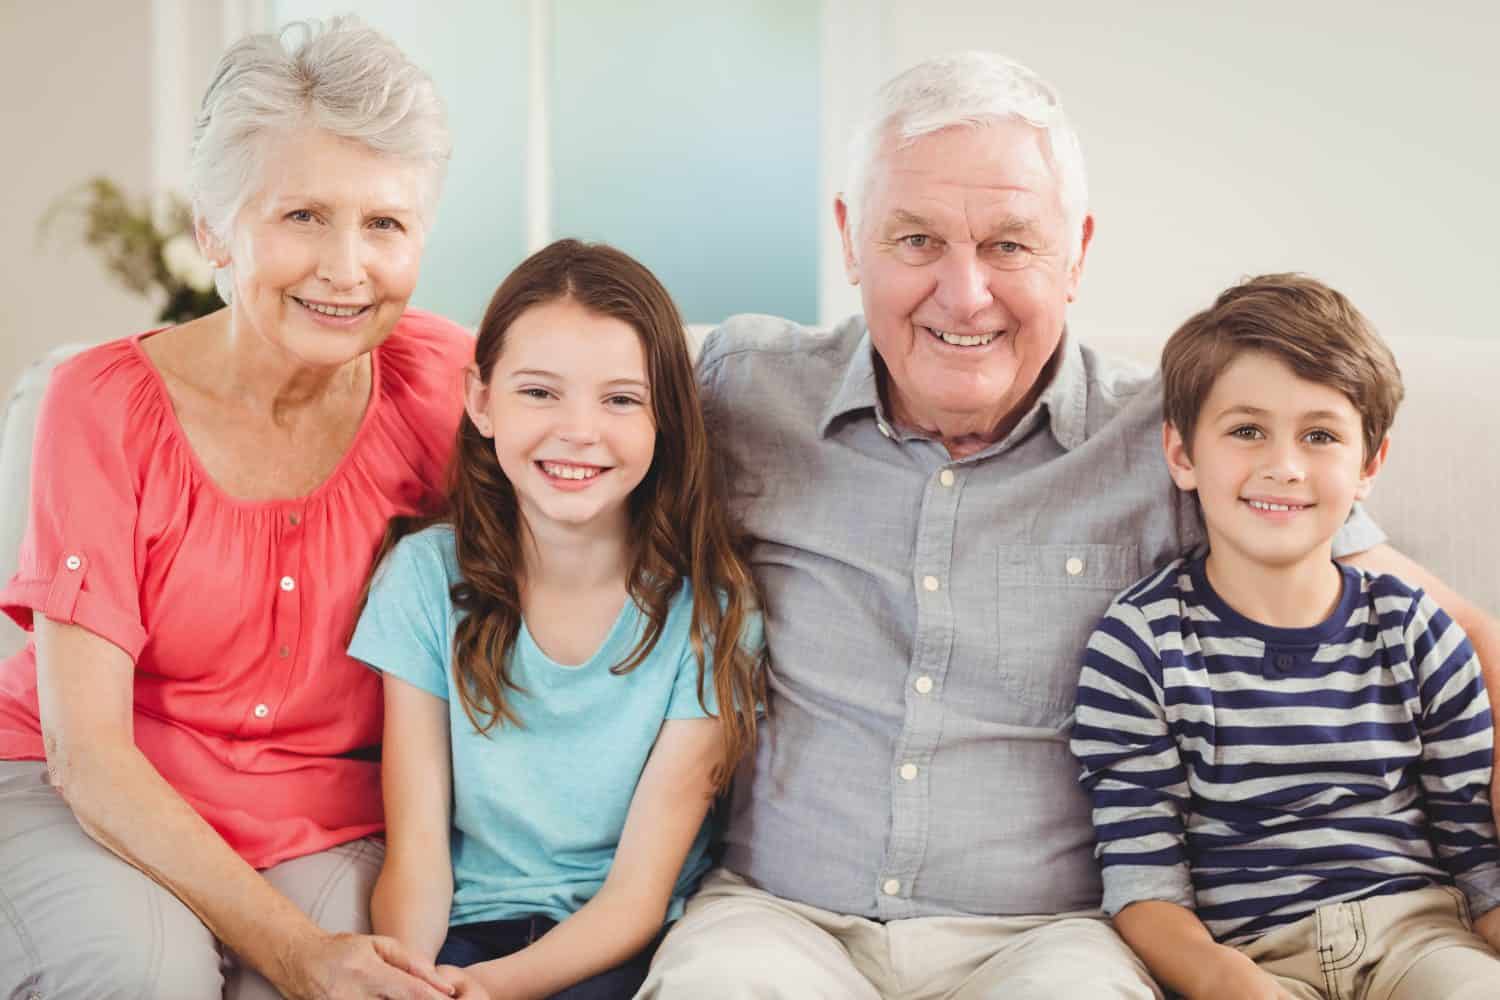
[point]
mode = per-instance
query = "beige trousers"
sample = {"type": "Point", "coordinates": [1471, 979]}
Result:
{"type": "Point", "coordinates": [736, 941]}
{"type": "Point", "coordinates": [76, 921]}
{"type": "Point", "coordinates": [1410, 946]}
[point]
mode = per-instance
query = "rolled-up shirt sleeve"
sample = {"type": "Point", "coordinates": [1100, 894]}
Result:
{"type": "Point", "coordinates": [77, 562]}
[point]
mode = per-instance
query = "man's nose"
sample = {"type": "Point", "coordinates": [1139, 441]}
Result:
{"type": "Point", "coordinates": [963, 283]}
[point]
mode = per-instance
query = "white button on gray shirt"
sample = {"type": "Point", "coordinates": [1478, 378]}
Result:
{"type": "Point", "coordinates": [917, 622]}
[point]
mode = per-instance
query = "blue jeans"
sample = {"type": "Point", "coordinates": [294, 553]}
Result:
{"type": "Point", "coordinates": [469, 944]}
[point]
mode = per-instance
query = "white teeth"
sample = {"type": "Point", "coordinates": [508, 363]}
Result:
{"type": "Point", "coordinates": [560, 471]}
{"type": "Point", "coordinates": [1263, 505]}
{"type": "Point", "coordinates": [332, 310]}
{"type": "Point", "coordinates": [961, 341]}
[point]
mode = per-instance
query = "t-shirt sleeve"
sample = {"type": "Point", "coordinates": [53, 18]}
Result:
{"type": "Point", "coordinates": [685, 703]}
{"type": "Point", "coordinates": [1132, 768]}
{"type": "Point", "coordinates": [403, 629]}
{"type": "Point", "coordinates": [78, 561]}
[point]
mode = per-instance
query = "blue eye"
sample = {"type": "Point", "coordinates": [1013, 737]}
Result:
{"type": "Point", "coordinates": [917, 241]}
{"type": "Point", "coordinates": [300, 215]}
{"type": "Point", "coordinates": [386, 224]}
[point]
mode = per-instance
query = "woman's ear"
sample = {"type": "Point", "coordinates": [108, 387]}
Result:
{"type": "Point", "coordinates": [211, 246]}
{"type": "Point", "coordinates": [1372, 469]}
{"type": "Point", "coordinates": [477, 400]}
{"type": "Point", "coordinates": [1179, 462]}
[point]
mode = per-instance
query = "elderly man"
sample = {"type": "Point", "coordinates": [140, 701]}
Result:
{"type": "Point", "coordinates": [943, 495]}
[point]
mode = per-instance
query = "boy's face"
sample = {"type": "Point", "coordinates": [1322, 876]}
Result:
{"type": "Point", "coordinates": [1277, 463]}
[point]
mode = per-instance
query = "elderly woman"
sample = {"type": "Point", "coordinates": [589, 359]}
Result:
{"type": "Point", "coordinates": [189, 777]}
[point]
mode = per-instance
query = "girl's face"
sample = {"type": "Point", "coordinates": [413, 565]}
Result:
{"type": "Point", "coordinates": [568, 406]}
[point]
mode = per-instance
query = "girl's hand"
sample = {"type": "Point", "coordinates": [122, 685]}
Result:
{"type": "Point", "coordinates": [465, 986]}
{"type": "Point", "coordinates": [359, 966]}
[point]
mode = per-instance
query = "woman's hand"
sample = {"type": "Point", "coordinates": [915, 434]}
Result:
{"type": "Point", "coordinates": [360, 966]}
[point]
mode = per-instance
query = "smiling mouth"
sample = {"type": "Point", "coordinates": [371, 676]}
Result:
{"type": "Point", "coordinates": [569, 471]}
{"type": "Point", "coordinates": [326, 309]}
{"type": "Point", "coordinates": [963, 340]}
{"type": "Point", "coordinates": [1279, 508]}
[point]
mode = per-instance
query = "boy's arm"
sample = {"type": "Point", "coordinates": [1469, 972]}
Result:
{"type": "Point", "coordinates": [1457, 752]}
{"type": "Point", "coordinates": [414, 894]}
{"type": "Point", "coordinates": [666, 812]}
{"type": "Point", "coordinates": [1181, 954]}
{"type": "Point", "coordinates": [1135, 777]}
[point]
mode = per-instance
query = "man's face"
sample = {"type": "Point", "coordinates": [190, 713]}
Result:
{"type": "Point", "coordinates": [962, 258]}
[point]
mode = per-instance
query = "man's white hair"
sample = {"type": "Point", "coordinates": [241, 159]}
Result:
{"type": "Point", "coordinates": [967, 89]}
{"type": "Point", "coordinates": [342, 77]}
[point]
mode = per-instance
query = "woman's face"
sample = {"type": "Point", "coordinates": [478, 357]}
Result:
{"type": "Point", "coordinates": [326, 251]}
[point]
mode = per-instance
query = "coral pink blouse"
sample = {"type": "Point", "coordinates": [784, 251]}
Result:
{"type": "Point", "coordinates": [236, 613]}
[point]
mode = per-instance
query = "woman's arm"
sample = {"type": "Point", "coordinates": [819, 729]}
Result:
{"type": "Point", "coordinates": [665, 815]}
{"type": "Point", "coordinates": [85, 687]}
{"type": "Point", "coordinates": [414, 893]}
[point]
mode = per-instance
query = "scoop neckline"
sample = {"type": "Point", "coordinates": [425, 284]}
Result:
{"type": "Point", "coordinates": [175, 428]}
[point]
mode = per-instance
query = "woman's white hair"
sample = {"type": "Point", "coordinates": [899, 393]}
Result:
{"type": "Point", "coordinates": [339, 76]}
{"type": "Point", "coordinates": [967, 89]}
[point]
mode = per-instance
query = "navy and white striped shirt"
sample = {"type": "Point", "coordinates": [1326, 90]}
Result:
{"type": "Point", "coordinates": [1254, 774]}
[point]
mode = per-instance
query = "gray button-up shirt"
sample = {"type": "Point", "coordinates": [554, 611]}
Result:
{"type": "Point", "coordinates": [926, 620]}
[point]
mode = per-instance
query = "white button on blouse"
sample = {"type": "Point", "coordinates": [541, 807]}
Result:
{"type": "Point", "coordinates": [923, 685]}
{"type": "Point", "coordinates": [1074, 566]}
{"type": "Point", "coordinates": [288, 584]}
{"type": "Point", "coordinates": [261, 711]}
{"type": "Point", "coordinates": [891, 887]}
{"type": "Point", "coordinates": [908, 772]}
{"type": "Point", "coordinates": [930, 583]}
{"type": "Point", "coordinates": [73, 562]}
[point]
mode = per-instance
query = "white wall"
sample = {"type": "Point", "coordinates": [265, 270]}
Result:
{"type": "Point", "coordinates": [1351, 140]}
{"type": "Point", "coordinates": [77, 103]}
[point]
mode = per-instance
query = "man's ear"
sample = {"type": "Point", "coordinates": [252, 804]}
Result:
{"type": "Point", "coordinates": [1179, 462]}
{"type": "Point", "coordinates": [846, 236]}
{"type": "Point", "coordinates": [1075, 266]}
{"type": "Point", "coordinates": [477, 400]}
{"type": "Point", "coordinates": [1372, 469]}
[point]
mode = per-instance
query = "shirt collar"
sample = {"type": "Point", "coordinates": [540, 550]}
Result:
{"type": "Point", "coordinates": [1065, 399]}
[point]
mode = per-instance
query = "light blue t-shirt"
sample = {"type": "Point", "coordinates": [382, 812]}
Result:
{"type": "Point", "coordinates": [537, 810]}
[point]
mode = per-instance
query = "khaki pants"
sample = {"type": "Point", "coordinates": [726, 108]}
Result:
{"type": "Point", "coordinates": [736, 941]}
{"type": "Point", "coordinates": [76, 921]}
{"type": "Point", "coordinates": [1415, 945]}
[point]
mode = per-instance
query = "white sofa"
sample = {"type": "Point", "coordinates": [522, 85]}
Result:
{"type": "Point", "coordinates": [1438, 499]}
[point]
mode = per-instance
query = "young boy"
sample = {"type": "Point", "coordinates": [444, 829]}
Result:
{"type": "Point", "coordinates": [1289, 760]}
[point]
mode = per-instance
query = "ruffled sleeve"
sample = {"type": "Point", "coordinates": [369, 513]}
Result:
{"type": "Point", "coordinates": [77, 563]}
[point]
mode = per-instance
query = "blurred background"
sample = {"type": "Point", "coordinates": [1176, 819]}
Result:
{"type": "Point", "coordinates": [1351, 140]}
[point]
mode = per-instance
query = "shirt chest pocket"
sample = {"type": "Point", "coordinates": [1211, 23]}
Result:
{"type": "Point", "coordinates": [1049, 599]}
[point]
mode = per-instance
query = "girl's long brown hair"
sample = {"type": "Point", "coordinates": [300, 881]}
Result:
{"type": "Point", "coordinates": [679, 522]}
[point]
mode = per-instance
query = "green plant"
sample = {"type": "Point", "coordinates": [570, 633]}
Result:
{"type": "Point", "coordinates": [149, 248]}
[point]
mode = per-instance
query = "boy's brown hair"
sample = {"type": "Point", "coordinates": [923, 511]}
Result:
{"type": "Point", "coordinates": [1299, 320]}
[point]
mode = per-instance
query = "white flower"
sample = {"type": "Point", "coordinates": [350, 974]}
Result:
{"type": "Point", "coordinates": [184, 262]}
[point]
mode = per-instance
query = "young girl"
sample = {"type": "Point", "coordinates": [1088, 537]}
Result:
{"type": "Point", "coordinates": [570, 654]}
